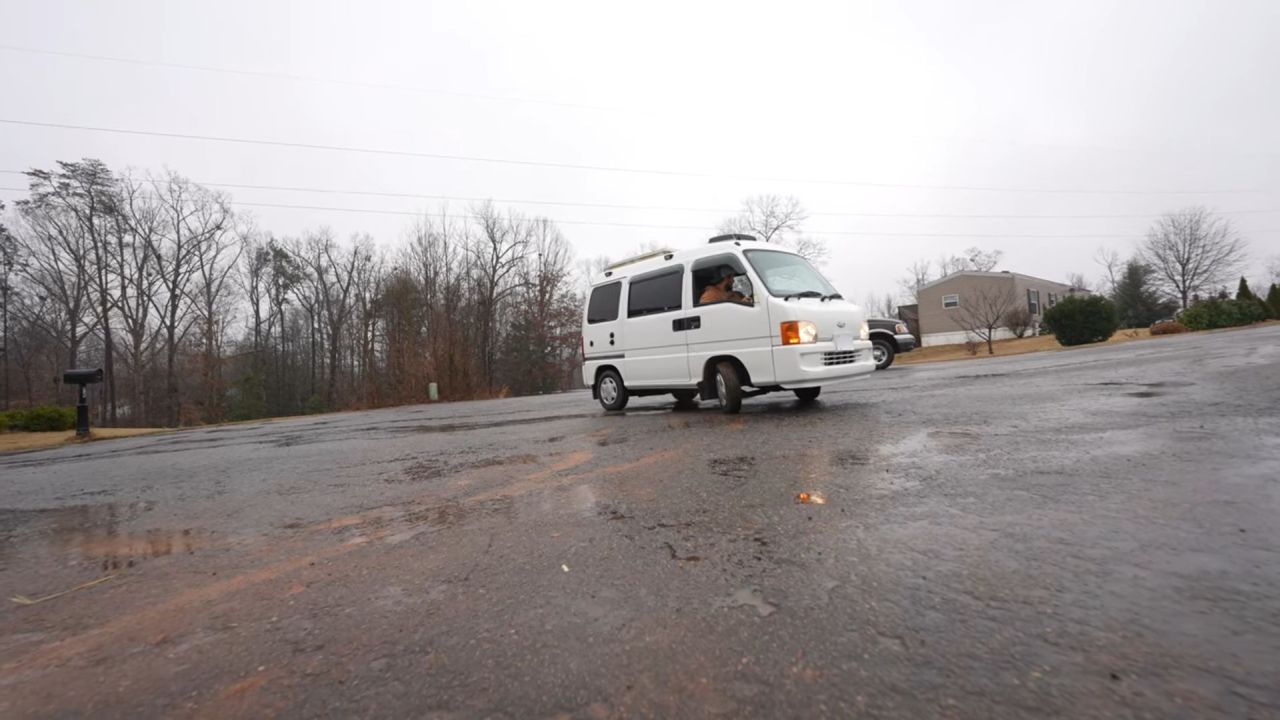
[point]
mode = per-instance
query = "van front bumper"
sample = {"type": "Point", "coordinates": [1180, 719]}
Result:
{"type": "Point", "coordinates": [817, 364]}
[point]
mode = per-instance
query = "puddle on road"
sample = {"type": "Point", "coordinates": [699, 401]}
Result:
{"type": "Point", "coordinates": [926, 441]}
{"type": "Point", "coordinates": [749, 597]}
{"type": "Point", "coordinates": [98, 534]}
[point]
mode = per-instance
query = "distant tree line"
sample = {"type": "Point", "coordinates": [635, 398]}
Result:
{"type": "Point", "coordinates": [197, 316]}
{"type": "Point", "coordinates": [1188, 256]}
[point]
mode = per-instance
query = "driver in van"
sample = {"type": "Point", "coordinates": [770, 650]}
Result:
{"type": "Point", "coordinates": [721, 289]}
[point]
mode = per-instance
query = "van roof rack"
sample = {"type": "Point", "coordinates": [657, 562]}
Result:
{"type": "Point", "coordinates": [638, 258]}
{"type": "Point", "coordinates": [731, 237]}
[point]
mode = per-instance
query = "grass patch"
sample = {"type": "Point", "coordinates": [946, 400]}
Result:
{"type": "Point", "coordinates": [1004, 348]}
{"type": "Point", "coordinates": [17, 441]}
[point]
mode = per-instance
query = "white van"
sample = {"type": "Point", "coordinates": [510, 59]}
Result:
{"type": "Point", "coordinates": [647, 331]}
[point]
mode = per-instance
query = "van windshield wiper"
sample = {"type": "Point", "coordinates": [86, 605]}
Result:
{"type": "Point", "coordinates": [803, 294]}
{"type": "Point", "coordinates": [832, 296]}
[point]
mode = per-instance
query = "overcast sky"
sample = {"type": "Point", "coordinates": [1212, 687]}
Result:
{"type": "Point", "coordinates": [859, 109]}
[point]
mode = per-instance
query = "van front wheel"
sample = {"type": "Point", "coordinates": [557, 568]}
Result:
{"type": "Point", "coordinates": [728, 388]}
{"type": "Point", "coordinates": [613, 394]}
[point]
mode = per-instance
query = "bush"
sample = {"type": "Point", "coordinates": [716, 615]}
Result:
{"type": "Point", "coordinates": [1212, 314]}
{"type": "Point", "coordinates": [1172, 327]}
{"type": "Point", "coordinates": [1083, 319]}
{"type": "Point", "coordinates": [39, 419]}
{"type": "Point", "coordinates": [314, 406]}
{"type": "Point", "coordinates": [1019, 321]}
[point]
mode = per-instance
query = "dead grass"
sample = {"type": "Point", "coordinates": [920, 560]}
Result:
{"type": "Point", "coordinates": [1004, 348]}
{"type": "Point", "coordinates": [16, 441]}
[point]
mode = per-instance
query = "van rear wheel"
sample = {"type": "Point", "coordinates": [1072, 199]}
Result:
{"type": "Point", "coordinates": [728, 388]}
{"type": "Point", "coordinates": [612, 393]}
{"type": "Point", "coordinates": [808, 394]}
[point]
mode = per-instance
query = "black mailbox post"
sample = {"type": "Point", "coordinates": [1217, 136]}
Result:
{"type": "Point", "coordinates": [82, 377]}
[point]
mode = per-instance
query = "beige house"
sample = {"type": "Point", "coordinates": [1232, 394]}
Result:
{"type": "Point", "coordinates": [943, 303]}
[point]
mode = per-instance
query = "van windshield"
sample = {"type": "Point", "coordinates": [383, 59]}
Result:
{"type": "Point", "coordinates": [786, 274]}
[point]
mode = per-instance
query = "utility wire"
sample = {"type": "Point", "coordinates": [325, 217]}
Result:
{"type": "Point", "coordinates": [482, 96]}
{"type": "Point", "coordinates": [603, 168]}
{"type": "Point", "coordinates": [306, 78]}
{"type": "Point", "coordinates": [649, 226]}
{"type": "Point", "coordinates": [670, 208]}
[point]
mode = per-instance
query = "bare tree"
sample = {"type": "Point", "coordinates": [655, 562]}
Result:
{"type": "Point", "coordinates": [973, 259]}
{"type": "Point", "coordinates": [190, 217]}
{"type": "Point", "coordinates": [57, 256]}
{"type": "Point", "coordinates": [138, 232]}
{"type": "Point", "coordinates": [8, 261]}
{"type": "Point", "coordinates": [1077, 280]}
{"type": "Point", "coordinates": [983, 260]}
{"type": "Point", "coordinates": [919, 273]}
{"type": "Point", "coordinates": [497, 252]}
{"type": "Point", "coordinates": [84, 193]}
{"type": "Point", "coordinates": [983, 311]}
{"type": "Point", "coordinates": [884, 306]}
{"type": "Point", "coordinates": [1112, 265]}
{"type": "Point", "coordinates": [1019, 321]}
{"type": "Point", "coordinates": [1192, 251]}
{"type": "Point", "coordinates": [777, 219]}
{"type": "Point", "coordinates": [334, 271]}
{"type": "Point", "coordinates": [214, 257]}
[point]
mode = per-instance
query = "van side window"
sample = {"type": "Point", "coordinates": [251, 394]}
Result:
{"type": "Point", "coordinates": [604, 303]}
{"type": "Point", "coordinates": [655, 294]}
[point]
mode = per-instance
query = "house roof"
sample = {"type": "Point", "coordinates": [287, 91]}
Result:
{"type": "Point", "coordinates": [996, 274]}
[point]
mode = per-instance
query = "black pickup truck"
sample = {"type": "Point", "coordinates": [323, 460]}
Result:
{"type": "Point", "coordinates": [888, 338]}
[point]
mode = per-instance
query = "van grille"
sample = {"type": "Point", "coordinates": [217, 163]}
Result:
{"type": "Point", "coordinates": [844, 357]}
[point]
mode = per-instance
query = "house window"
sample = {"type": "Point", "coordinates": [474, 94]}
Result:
{"type": "Point", "coordinates": [950, 301]}
{"type": "Point", "coordinates": [1033, 301]}
{"type": "Point", "coordinates": [1052, 300]}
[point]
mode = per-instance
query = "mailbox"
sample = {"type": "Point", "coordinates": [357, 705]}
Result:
{"type": "Point", "coordinates": [82, 377]}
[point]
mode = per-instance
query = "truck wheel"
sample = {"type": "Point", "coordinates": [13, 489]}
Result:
{"type": "Point", "coordinates": [686, 399]}
{"type": "Point", "coordinates": [882, 353]}
{"type": "Point", "coordinates": [808, 394]}
{"type": "Point", "coordinates": [613, 394]}
{"type": "Point", "coordinates": [728, 388]}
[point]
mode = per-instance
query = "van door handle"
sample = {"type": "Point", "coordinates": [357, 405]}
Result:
{"type": "Point", "coordinates": [689, 323]}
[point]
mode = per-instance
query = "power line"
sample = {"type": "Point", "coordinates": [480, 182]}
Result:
{"type": "Point", "coordinates": [702, 228]}
{"type": "Point", "coordinates": [828, 233]}
{"type": "Point", "coordinates": [493, 98]}
{"type": "Point", "coordinates": [671, 208]}
{"type": "Point", "coordinates": [604, 168]}
{"type": "Point", "coordinates": [307, 78]}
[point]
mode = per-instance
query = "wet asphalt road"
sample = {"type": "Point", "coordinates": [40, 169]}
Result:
{"type": "Point", "coordinates": [1083, 534]}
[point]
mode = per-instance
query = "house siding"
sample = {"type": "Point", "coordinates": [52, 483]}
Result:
{"type": "Point", "coordinates": [940, 326]}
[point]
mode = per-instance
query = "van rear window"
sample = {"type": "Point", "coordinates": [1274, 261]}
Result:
{"type": "Point", "coordinates": [603, 306]}
{"type": "Point", "coordinates": [655, 294]}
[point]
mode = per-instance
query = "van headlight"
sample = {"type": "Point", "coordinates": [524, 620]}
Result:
{"type": "Point", "coordinates": [799, 332]}
{"type": "Point", "coordinates": [865, 332]}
